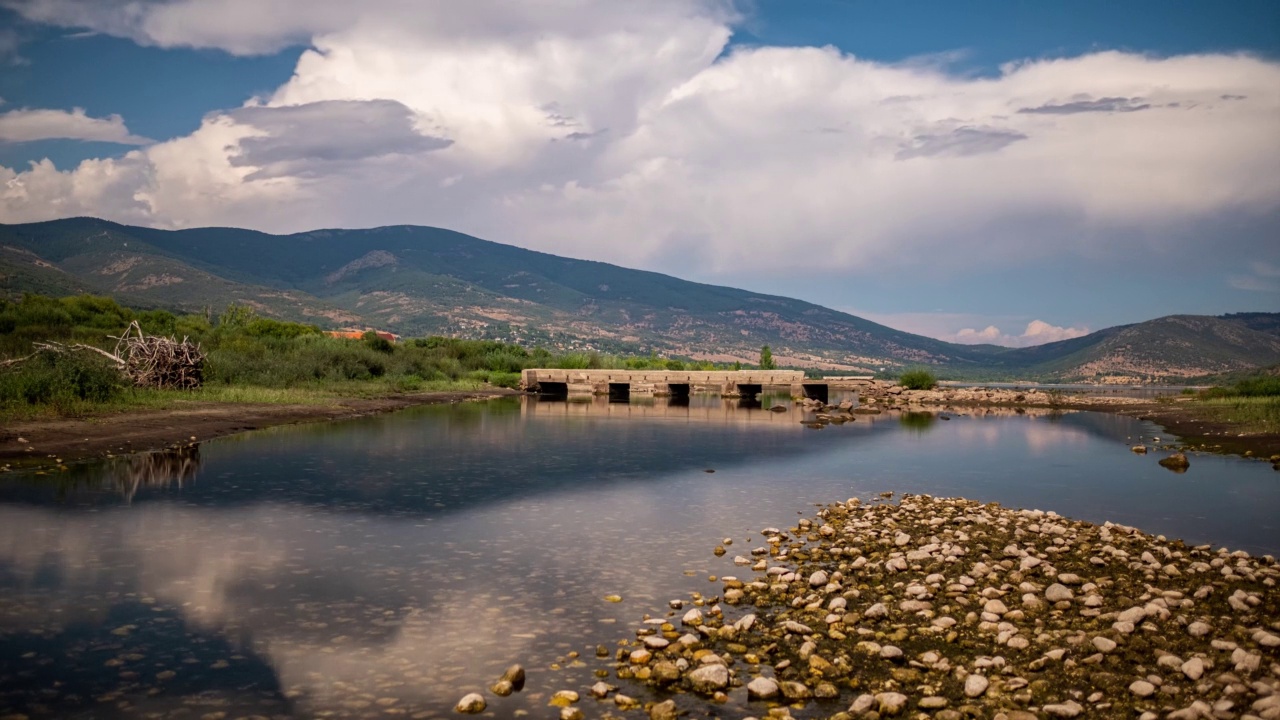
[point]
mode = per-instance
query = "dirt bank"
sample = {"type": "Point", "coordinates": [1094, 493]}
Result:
{"type": "Point", "coordinates": [38, 441]}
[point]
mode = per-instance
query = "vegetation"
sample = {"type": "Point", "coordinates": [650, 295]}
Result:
{"type": "Point", "coordinates": [918, 379]}
{"type": "Point", "coordinates": [766, 359]}
{"type": "Point", "coordinates": [251, 359]}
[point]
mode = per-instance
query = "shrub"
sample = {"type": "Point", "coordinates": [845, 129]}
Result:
{"type": "Point", "coordinates": [918, 379]}
{"type": "Point", "coordinates": [61, 379]}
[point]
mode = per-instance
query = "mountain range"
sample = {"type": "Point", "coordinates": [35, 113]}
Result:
{"type": "Point", "coordinates": [422, 280]}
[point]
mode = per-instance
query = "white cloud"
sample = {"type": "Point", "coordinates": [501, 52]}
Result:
{"type": "Point", "coordinates": [622, 132]}
{"type": "Point", "coordinates": [1037, 332]}
{"type": "Point", "coordinates": [1262, 277]}
{"type": "Point", "coordinates": [26, 125]}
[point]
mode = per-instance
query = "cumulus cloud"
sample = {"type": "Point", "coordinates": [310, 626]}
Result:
{"type": "Point", "coordinates": [1037, 332]}
{"type": "Point", "coordinates": [26, 125]}
{"type": "Point", "coordinates": [631, 133]}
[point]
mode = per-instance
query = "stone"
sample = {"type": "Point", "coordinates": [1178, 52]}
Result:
{"type": "Point", "coordinates": [601, 690]}
{"type": "Point", "coordinates": [665, 710]}
{"type": "Point", "coordinates": [1193, 668]}
{"type": "Point", "coordinates": [762, 688]}
{"type": "Point", "coordinates": [693, 617]}
{"type": "Point", "coordinates": [1058, 592]}
{"type": "Point", "coordinates": [470, 704]}
{"type": "Point", "coordinates": [571, 713]}
{"type": "Point", "coordinates": [890, 652]}
{"type": "Point", "coordinates": [1140, 449]}
{"type": "Point", "coordinates": [792, 690]}
{"type": "Point", "coordinates": [877, 610]}
{"type": "Point", "coordinates": [995, 606]}
{"type": "Point", "coordinates": [1176, 462]}
{"type": "Point", "coordinates": [514, 675]}
{"type": "Point", "coordinates": [564, 698]}
{"type": "Point", "coordinates": [890, 703]}
{"type": "Point", "coordinates": [1068, 709]}
{"type": "Point", "coordinates": [1142, 688]}
{"type": "Point", "coordinates": [933, 702]}
{"type": "Point", "coordinates": [709, 678]}
{"type": "Point", "coordinates": [1103, 644]}
{"type": "Point", "coordinates": [976, 685]}
{"type": "Point", "coordinates": [862, 704]}
{"type": "Point", "coordinates": [501, 688]}
{"type": "Point", "coordinates": [818, 579]}
{"type": "Point", "coordinates": [826, 691]}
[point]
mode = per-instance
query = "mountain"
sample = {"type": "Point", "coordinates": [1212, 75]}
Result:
{"type": "Point", "coordinates": [422, 280]}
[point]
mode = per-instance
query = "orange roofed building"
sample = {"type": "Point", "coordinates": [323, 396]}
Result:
{"type": "Point", "coordinates": [354, 334]}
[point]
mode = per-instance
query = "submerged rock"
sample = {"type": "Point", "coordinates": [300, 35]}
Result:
{"type": "Point", "coordinates": [1177, 462]}
{"type": "Point", "coordinates": [470, 704]}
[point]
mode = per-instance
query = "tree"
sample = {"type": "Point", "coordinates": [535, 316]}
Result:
{"type": "Point", "coordinates": [766, 359]}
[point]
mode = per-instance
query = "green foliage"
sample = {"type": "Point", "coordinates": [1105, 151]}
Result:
{"type": "Point", "coordinates": [1252, 387]}
{"type": "Point", "coordinates": [61, 380]}
{"type": "Point", "coordinates": [766, 359]}
{"type": "Point", "coordinates": [374, 341]}
{"type": "Point", "coordinates": [918, 379]}
{"type": "Point", "coordinates": [237, 316]}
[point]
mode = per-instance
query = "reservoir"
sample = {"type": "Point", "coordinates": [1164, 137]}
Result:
{"type": "Point", "coordinates": [384, 567]}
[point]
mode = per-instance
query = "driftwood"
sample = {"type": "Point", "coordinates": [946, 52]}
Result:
{"type": "Point", "coordinates": [147, 360]}
{"type": "Point", "coordinates": [159, 362]}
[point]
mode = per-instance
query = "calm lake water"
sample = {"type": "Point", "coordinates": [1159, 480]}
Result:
{"type": "Point", "coordinates": [383, 567]}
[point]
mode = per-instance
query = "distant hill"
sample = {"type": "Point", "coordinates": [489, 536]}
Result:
{"type": "Point", "coordinates": [423, 280]}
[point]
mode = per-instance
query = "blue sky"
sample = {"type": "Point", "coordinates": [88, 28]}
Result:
{"type": "Point", "coordinates": [942, 167]}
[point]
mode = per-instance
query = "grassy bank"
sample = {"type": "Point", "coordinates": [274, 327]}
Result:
{"type": "Point", "coordinates": [249, 359]}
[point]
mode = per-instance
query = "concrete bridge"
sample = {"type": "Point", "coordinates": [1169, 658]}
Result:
{"type": "Point", "coordinates": [728, 383]}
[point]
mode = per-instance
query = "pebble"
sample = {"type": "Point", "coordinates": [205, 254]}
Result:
{"type": "Point", "coordinates": [470, 704]}
{"type": "Point", "coordinates": [762, 688]}
{"type": "Point", "coordinates": [1142, 688]}
{"type": "Point", "coordinates": [975, 685]}
{"type": "Point", "coordinates": [1057, 593]}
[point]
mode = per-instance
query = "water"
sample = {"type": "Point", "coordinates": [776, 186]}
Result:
{"type": "Point", "coordinates": [383, 567]}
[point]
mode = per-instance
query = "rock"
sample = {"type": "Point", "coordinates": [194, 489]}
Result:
{"type": "Point", "coordinates": [933, 702]}
{"type": "Point", "coordinates": [515, 676]}
{"type": "Point", "coordinates": [654, 642]}
{"type": "Point", "coordinates": [613, 598]}
{"type": "Point", "coordinates": [1193, 668]}
{"type": "Point", "coordinates": [975, 685]}
{"type": "Point", "coordinates": [826, 691]}
{"type": "Point", "coordinates": [792, 690]}
{"type": "Point", "coordinates": [1068, 709]}
{"type": "Point", "coordinates": [709, 678]}
{"type": "Point", "coordinates": [1058, 592]}
{"type": "Point", "coordinates": [570, 713]}
{"type": "Point", "coordinates": [1198, 629]}
{"type": "Point", "coordinates": [564, 698]}
{"type": "Point", "coordinates": [762, 688]}
{"type": "Point", "coordinates": [665, 710]}
{"type": "Point", "coordinates": [995, 606]}
{"type": "Point", "coordinates": [818, 579]}
{"type": "Point", "coordinates": [470, 704]}
{"type": "Point", "coordinates": [1103, 644]}
{"type": "Point", "coordinates": [877, 610]}
{"type": "Point", "coordinates": [1142, 688]}
{"type": "Point", "coordinates": [601, 690]}
{"type": "Point", "coordinates": [890, 652]}
{"type": "Point", "coordinates": [665, 672]}
{"type": "Point", "coordinates": [1140, 449]}
{"type": "Point", "coordinates": [862, 704]}
{"type": "Point", "coordinates": [1176, 462]}
{"type": "Point", "coordinates": [890, 703]}
{"type": "Point", "coordinates": [501, 688]}
{"type": "Point", "coordinates": [693, 617]}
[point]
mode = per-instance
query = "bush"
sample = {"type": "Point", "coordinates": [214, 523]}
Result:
{"type": "Point", "coordinates": [919, 379]}
{"type": "Point", "coordinates": [61, 380]}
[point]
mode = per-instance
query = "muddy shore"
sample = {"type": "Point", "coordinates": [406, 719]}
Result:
{"type": "Point", "coordinates": [40, 441]}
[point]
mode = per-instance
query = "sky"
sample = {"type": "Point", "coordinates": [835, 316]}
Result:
{"type": "Point", "coordinates": [1011, 172]}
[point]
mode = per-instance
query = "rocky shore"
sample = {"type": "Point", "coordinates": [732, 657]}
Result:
{"type": "Point", "coordinates": [950, 609]}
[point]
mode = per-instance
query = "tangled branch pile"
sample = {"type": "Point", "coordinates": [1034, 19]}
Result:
{"type": "Point", "coordinates": [147, 360]}
{"type": "Point", "coordinates": [159, 362]}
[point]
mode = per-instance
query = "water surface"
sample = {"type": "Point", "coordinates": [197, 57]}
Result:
{"type": "Point", "coordinates": [383, 567]}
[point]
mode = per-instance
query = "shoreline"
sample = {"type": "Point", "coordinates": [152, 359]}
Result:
{"type": "Point", "coordinates": [33, 442]}
{"type": "Point", "coordinates": [37, 442]}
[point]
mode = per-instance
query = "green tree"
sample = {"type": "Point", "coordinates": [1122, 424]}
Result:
{"type": "Point", "coordinates": [766, 359]}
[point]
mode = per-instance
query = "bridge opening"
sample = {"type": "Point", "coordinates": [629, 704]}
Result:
{"type": "Point", "coordinates": [817, 391]}
{"type": "Point", "coordinates": [553, 389]}
{"type": "Point", "coordinates": [678, 390]}
{"type": "Point", "coordinates": [749, 391]}
{"type": "Point", "coordinates": [619, 392]}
